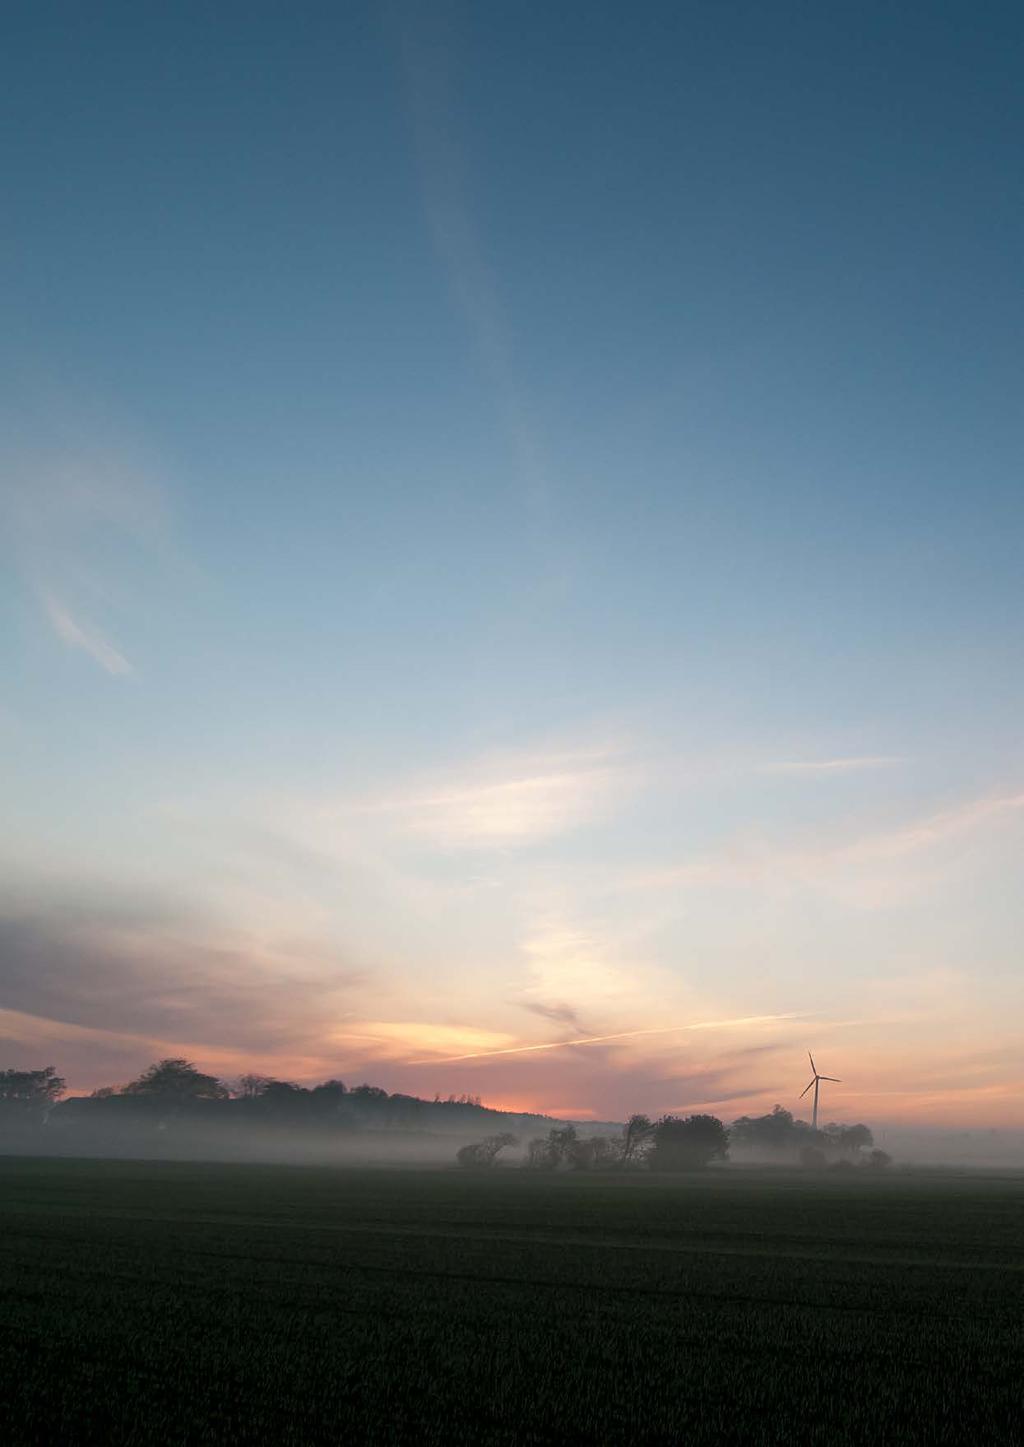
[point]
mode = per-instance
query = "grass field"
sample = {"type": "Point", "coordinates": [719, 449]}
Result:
{"type": "Point", "coordinates": [171, 1303]}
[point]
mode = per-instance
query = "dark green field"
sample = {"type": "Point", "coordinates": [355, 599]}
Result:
{"type": "Point", "coordinates": [169, 1303]}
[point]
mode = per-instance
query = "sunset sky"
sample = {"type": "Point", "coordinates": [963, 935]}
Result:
{"type": "Point", "coordinates": [512, 550]}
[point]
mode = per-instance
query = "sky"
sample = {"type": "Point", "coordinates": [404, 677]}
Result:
{"type": "Point", "coordinates": [511, 550]}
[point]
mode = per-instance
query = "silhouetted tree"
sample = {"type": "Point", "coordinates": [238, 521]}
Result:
{"type": "Point", "coordinates": [879, 1160]}
{"type": "Point", "coordinates": [778, 1133]}
{"type": "Point", "coordinates": [636, 1133]}
{"type": "Point", "coordinates": [250, 1086]}
{"type": "Point", "coordinates": [775, 1133]}
{"type": "Point", "coordinates": [29, 1095]}
{"type": "Point", "coordinates": [563, 1139]}
{"type": "Point", "coordinates": [178, 1080]}
{"type": "Point", "coordinates": [547, 1153]}
{"type": "Point", "coordinates": [283, 1091]}
{"type": "Point", "coordinates": [848, 1140]}
{"type": "Point", "coordinates": [594, 1153]}
{"type": "Point", "coordinates": [329, 1098]}
{"type": "Point", "coordinates": [688, 1144]}
{"type": "Point", "coordinates": [564, 1146]}
{"type": "Point", "coordinates": [579, 1154]}
{"type": "Point", "coordinates": [482, 1154]}
{"type": "Point", "coordinates": [856, 1138]}
{"type": "Point", "coordinates": [401, 1112]}
{"type": "Point", "coordinates": [283, 1100]}
{"type": "Point", "coordinates": [540, 1156]}
{"type": "Point", "coordinates": [607, 1152]}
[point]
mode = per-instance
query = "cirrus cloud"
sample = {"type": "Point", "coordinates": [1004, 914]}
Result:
{"type": "Point", "coordinates": [83, 636]}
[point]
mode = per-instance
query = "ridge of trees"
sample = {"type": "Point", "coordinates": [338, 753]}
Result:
{"type": "Point", "coordinates": [174, 1088]}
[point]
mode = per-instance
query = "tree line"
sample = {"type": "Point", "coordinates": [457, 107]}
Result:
{"type": "Point", "coordinates": [684, 1143]}
{"type": "Point", "coordinates": [667, 1144]}
{"type": "Point", "coordinates": [175, 1090]}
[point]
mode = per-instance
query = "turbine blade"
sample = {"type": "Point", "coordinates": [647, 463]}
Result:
{"type": "Point", "coordinates": [834, 1078]}
{"type": "Point", "coordinates": [804, 1091]}
{"type": "Point", "coordinates": [810, 1057]}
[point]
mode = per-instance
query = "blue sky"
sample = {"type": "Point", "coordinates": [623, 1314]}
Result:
{"type": "Point", "coordinates": [513, 528]}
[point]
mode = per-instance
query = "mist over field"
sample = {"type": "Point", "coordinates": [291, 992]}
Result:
{"type": "Point", "coordinates": [199, 1141]}
{"type": "Point", "coordinates": [174, 1111]}
{"type": "Point", "coordinates": [225, 1140]}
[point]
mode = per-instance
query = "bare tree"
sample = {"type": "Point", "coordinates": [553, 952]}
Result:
{"type": "Point", "coordinates": [593, 1153]}
{"type": "Point", "coordinates": [561, 1146]}
{"type": "Point", "coordinates": [540, 1156]}
{"type": "Point", "coordinates": [635, 1135]}
{"type": "Point", "coordinates": [481, 1155]}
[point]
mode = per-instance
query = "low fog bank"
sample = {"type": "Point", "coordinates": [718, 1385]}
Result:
{"type": "Point", "coordinates": [205, 1141]}
{"type": "Point", "coordinates": [778, 1138]}
{"type": "Point", "coordinates": [173, 1111]}
{"type": "Point", "coordinates": [980, 1148]}
{"type": "Point", "coordinates": [143, 1130]}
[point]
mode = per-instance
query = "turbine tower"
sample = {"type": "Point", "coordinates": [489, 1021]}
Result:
{"type": "Point", "coordinates": [814, 1081]}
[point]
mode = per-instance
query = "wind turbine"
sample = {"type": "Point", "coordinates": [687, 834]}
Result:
{"type": "Point", "coordinates": [814, 1081]}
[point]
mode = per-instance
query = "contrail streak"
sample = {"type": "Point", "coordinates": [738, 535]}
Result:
{"type": "Point", "coordinates": [600, 1039]}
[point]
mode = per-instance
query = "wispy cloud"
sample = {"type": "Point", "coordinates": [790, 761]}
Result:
{"type": "Point", "coordinates": [430, 53]}
{"type": "Point", "coordinates": [429, 48]}
{"type": "Point", "coordinates": [85, 637]}
{"type": "Point", "coordinates": [502, 801]}
{"type": "Point", "coordinates": [568, 960]}
{"type": "Point", "coordinates": [740, 1022]}
{"type": "Point", "coordinates": [846, 863]}
{"type": "Point", "coordinates": [83, 522]}
{"type": "Point", "coordinates": [939, 827]}
{"type": "Point", "coordinates": [559, 1014]}
{"type": "Point", "coordinates": [53, 498]}
{"type": "Point", "coordinates": [93, 1055]}
{"type": "Point", "coordinates": [853, 765]}
{"type": "Point", "coordinates": [145, 972]}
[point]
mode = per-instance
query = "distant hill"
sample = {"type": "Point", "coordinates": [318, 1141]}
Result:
{"type": "Point", "coordinates": [275, 1122]}
{"type": "Point", "coordinates": [365, 1108]}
